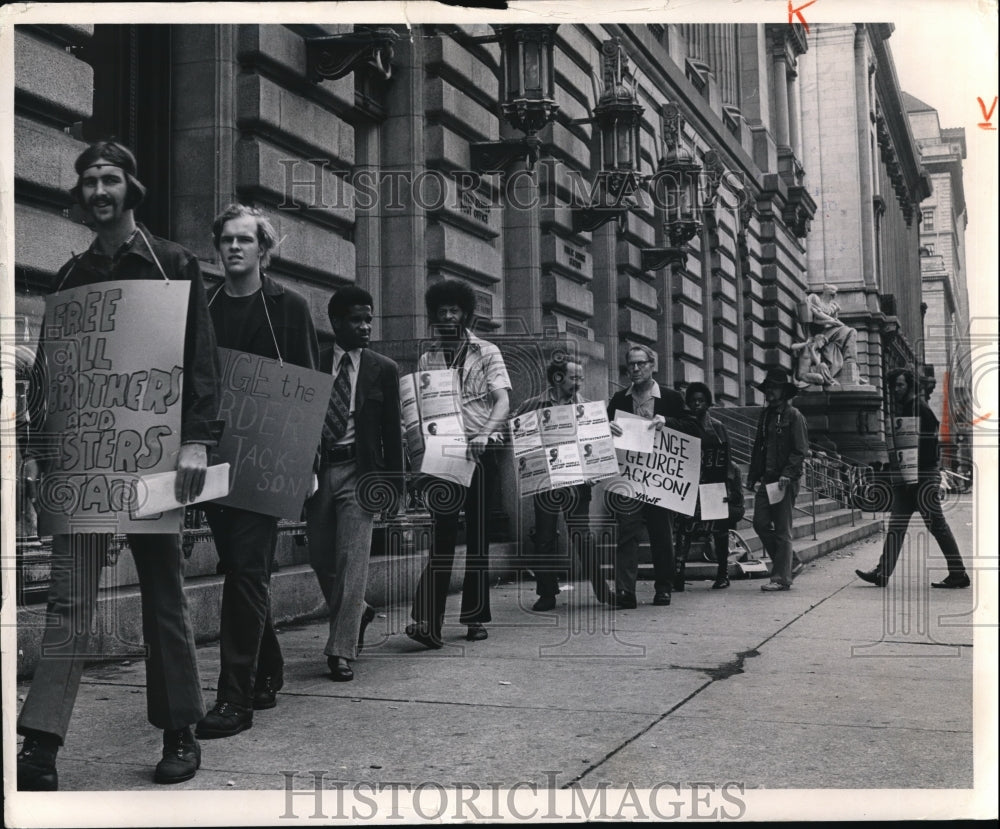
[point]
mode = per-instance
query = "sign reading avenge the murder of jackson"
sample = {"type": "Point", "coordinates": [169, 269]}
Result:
{"type": "Point", "coordinates": [274, 416]}
{"type": "Point", "coordinates": [114, 356]}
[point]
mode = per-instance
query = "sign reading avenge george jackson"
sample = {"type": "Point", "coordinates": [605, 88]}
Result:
{"type": "Point", "coordinates": [666, 477]}
{"type": "Point", "coordinates": [114, 356]}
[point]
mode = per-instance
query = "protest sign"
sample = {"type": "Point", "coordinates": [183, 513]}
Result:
{"type": "Point", "coordinates": [668, 476]}
{"type": "Point", "coordinates": [562, 446]}
{"type": "Point", "coordinates": [905, 442]}
{"type": "Point", "coordinates": [114, 357]}
{"type": "Point", "coordinates": [434, 427]}
{"type": "Point", "coordinates": [274, 416]}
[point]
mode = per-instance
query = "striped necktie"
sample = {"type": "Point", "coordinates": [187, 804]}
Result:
{"type": "Point", "coordinates": [340, 404]}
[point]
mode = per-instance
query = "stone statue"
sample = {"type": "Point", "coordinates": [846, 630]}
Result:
{"type": "Point", "coordinates": [840, 351]}
{"type": "Point", "coordinates": [810, 368]}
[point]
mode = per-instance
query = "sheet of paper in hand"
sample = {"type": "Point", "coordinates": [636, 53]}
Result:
{"type": "Point", "coordinates": [636, 436]}
{"type": "Point", "coordinates": [274, 415]}
{"type": "Point", "coordinates": [775, 493]}
{"type": "Point", "coordinates": [714, 502]}
{"type": "Point", "coordinates": [114, 357]}
{"type": "Point", "coordinates": [156, 492]}
{"type": "Point", "coordinates": [435, 430]}
{"type": "Point", "coordinates": [666, 477]}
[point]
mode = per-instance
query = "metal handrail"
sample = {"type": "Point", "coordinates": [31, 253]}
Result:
{"type": "Point", "coordinates": [836, 478]}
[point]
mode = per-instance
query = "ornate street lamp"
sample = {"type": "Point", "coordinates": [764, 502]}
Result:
{"type": "Point", "coordinates": [527, 94]}
{"type": "Point", "coordinates": [676, 183]}
{"type": "Point", "coordinates": [618, 116]}
{"type": "Point", "coordinates": [329, 57]}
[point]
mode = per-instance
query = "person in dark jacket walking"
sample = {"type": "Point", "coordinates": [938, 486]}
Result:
{"type": "Point", "coordinates": [779, 451]}
{"type": "Point", "coordinates": [923, 496]}
{"type": "Point", "coordinates": [254, 314]}
{"type": "Point", "coordinates": [108, 191]}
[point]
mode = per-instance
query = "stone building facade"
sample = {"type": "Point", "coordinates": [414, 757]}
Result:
{"type": "Point", "coordinates": [865, 240]}
{"type": "Point", "coordinates": [944, 276]}
{"type": "Point", "coordinates": [368, 180]}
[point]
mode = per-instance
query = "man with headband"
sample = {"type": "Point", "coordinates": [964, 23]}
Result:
{"type": "Point", "coordinates": [108, 192]}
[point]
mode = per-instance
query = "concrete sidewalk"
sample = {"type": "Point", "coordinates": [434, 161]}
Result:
{"type": "Point", "coordinates": [834, 684]}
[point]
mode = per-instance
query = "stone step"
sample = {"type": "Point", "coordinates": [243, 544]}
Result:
{"type": "Point", "coordinates": [831, 535]}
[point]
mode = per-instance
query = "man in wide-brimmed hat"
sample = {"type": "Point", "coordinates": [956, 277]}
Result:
{"type": "Point", "coordinates": [779, 450]}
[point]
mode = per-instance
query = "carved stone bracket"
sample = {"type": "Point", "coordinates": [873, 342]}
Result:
{"type": "Point", "coordinates": [330, 57]}
{"type": "Point", "coordinates": [799, 211]}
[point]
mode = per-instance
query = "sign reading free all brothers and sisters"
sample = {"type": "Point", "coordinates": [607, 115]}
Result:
{"type": "Point", "coordinates": [114, 356]}
{"type": "Point", "coordinates": [274, 415]}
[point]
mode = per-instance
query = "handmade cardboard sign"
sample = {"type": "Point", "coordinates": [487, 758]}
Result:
{"type": "Point", "coordinates": [114, 358]}
{"type": "Point", "coordinates": [666, 477]}
{"type": "Point", "coordinates": [274, 415]}
{"type": "Point", "coordinates": [433, 424]}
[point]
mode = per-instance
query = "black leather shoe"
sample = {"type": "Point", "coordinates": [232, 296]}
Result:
{"type": "Point", "coordinates": [422, 636]}
{"type": "Point", "coordinates": [224, 720]}
{"type": "Point", "coordinates": [181, 757]}
{"type": "Point", "coordinates": [872, 577]}
{"type": "Point", "coordinates": [545, 603]}
{"type": "Point", "coordinates": [366, 619]}
{"type": "Point", "coordinates": [265, 692]}
{"type": "Point", "coordinates": [721, 583]}
{"type": "Point", "coordinates": [623, 600]}
{"type": "Point", "coordinates": [601, 591]}
{"type": "Point", "coordinates": [340, 669]}
{"type": "Point", "coordinates": [477, 632]}
{"type": "Point", "coordinates": [953, 582]}
{"type": "Point", "coordinates": [662, 599]}
{"type": "Point", "coordinates": [36, 767]}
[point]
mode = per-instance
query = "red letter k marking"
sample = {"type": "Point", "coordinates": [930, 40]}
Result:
{"type": "Point", "coordinates": [798, 13]}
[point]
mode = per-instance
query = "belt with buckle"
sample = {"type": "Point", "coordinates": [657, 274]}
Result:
{"type": "Point", "coordinates": [339, 454]}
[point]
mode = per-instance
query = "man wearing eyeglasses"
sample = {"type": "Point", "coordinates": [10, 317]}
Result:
{"type": "Point", "coordinates": [646, 398]}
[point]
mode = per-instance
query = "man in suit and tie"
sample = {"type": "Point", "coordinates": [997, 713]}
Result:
{"type": "Point", "coordinates": [362, 436]}
{"type": "Point", "coordinates": [646, 398]}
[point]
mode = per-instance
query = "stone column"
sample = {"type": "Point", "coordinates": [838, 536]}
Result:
{"type": "Point", "coordinates": [522, 250]}
{"type": "Point", "coordinates": [403, 219]}
{"type": "Point", "coordinates": [780, 85]}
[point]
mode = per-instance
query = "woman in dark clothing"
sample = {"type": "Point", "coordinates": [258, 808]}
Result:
{"type": "Point", "coordinates": [715, 466]}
